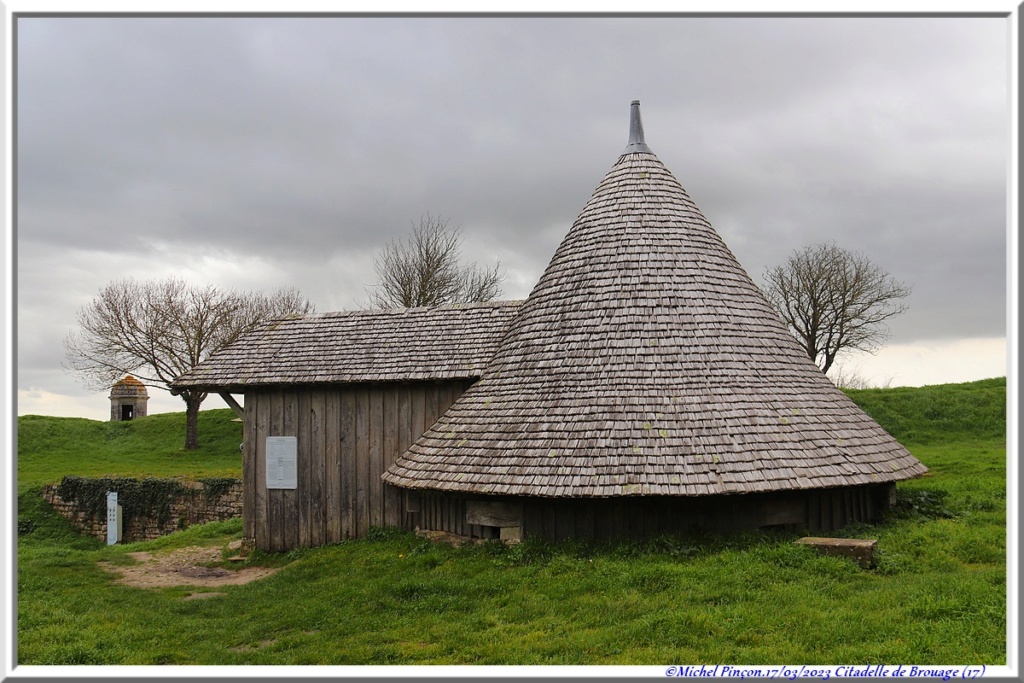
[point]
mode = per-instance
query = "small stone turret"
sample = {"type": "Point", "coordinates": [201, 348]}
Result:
{"type": "Point", "coordinates": [128, 399]}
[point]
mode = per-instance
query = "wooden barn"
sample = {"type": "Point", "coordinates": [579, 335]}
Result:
{"type": "Point", "coordinates": [354, 389]}
{"type": "Point", "coordinates": [644, 387]}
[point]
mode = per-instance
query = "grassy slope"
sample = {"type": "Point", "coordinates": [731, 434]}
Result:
{"type": "Point", "coordinates": [958, 431]}
{"type": "Point", "coordinates": [153, 446]}
{"type": "Point", "coordinates": [933, 414]}
{"type": "Point", "coordinates": [938, 595]}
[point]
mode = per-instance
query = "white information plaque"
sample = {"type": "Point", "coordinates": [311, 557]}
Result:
{"type": "Point", "coordinates": [282, 458]}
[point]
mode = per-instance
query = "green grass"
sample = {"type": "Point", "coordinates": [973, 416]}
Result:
{"type": "Point", "coordinates": [925, 415]}
{"type": "Point", "coordinates": [937, 596]}
{"type": "Point", "coordinates": [153, 446]}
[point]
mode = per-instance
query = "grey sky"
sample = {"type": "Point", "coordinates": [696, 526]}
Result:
{"type": "Point", "coordinates": [268, 152]}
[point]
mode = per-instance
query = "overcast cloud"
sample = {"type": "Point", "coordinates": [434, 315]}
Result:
{"type": "Point", "coordinates": [257, 153]}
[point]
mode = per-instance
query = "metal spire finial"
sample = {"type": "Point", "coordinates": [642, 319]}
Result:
{"type": "Point", "coordinates": [636, 131]}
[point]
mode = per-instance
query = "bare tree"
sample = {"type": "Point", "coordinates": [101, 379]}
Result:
{"type": "Point", "coordinates": [425, 270]}
{"type": "Point", "coordinates": [834, 300]}
{"type": "Point", "coordinates": [846, 378]}
{"type": "Point", "coordinates": [160, 329]}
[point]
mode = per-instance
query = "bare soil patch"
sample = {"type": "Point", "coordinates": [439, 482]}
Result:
{"type": "Point", "coordinates": [253, 648]}
{"type": "Point", "coordinates": [183, 567]}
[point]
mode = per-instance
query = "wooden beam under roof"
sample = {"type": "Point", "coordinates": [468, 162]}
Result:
{"type": "Point", "coordinates": [230, 400]}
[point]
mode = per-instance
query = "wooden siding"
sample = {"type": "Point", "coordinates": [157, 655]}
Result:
{"type": "Point", "coordinates": [638, 517]}
{"type": "Point", "coordinates": [347, 436]}
{"type": "Point", "coordinates": [439, 511]}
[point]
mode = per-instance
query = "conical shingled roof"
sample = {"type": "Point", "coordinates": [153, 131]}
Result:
{"type": "Point", "coordinates": [646, 362]}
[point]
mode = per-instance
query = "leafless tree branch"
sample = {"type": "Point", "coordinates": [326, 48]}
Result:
{"type": "Point", "coordinates": [159, 330]}
{"type": "Point", "coordinates": [424, 270]}
{"type": "Point", "coordinates": [834, 300]}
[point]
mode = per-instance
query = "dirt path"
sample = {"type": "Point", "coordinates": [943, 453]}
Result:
{"type": "Point", "coordinates": [184, 567]}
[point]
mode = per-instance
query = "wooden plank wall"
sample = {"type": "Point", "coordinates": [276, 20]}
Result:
{"type": "Point", "coordinates": [347, 437]}
{"type": "Point", "coordinates": [438, 511]}
{"type": "Point", "coordinates": [640, 517]}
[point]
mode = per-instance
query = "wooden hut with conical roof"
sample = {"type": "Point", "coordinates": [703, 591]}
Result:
{"type": "Point", "coordinates": [644, 387]}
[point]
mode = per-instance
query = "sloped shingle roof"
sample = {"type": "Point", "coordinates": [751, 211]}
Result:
{"type": "Point", "coordinates": [646, 362]}
{"type": "Point", "coordinates": [446, 342]}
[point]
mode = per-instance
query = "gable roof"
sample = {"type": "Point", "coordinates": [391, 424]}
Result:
{"type": "Point", "coordinates": [439, 343]}
{"type": "Point", "coordinates": [647, 362]}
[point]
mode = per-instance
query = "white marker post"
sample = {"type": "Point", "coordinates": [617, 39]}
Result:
{"type": "Point", "coordinates": [113, 518]}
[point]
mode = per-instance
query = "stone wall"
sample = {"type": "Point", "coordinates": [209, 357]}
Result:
{"type": "Point", "coordinates": [197, 505]}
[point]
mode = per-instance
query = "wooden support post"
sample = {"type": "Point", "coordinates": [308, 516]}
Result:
{"type": "Point", "coordinates": [233, 404]}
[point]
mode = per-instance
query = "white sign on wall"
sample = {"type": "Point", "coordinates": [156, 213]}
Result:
{"type": "Point", "coordinates": [282, 461]}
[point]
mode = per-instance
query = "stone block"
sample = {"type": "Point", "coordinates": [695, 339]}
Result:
{"type": "Point", "coordinates": [862, 551]}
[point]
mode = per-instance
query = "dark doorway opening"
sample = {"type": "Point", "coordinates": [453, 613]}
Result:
{"type": "Point", "coordinates": [127, 412]}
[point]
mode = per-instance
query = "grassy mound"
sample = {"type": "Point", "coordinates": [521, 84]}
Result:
{"type": "Point", "coordinates": [943, 412]}
{"type": "Point", "coordinates": [152, 446]}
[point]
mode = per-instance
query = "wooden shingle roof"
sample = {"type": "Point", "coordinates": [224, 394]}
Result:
{"type": "Point", "coordinates": [646, 362]}
{"type": "Point", "coordinates": [441, 343]}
